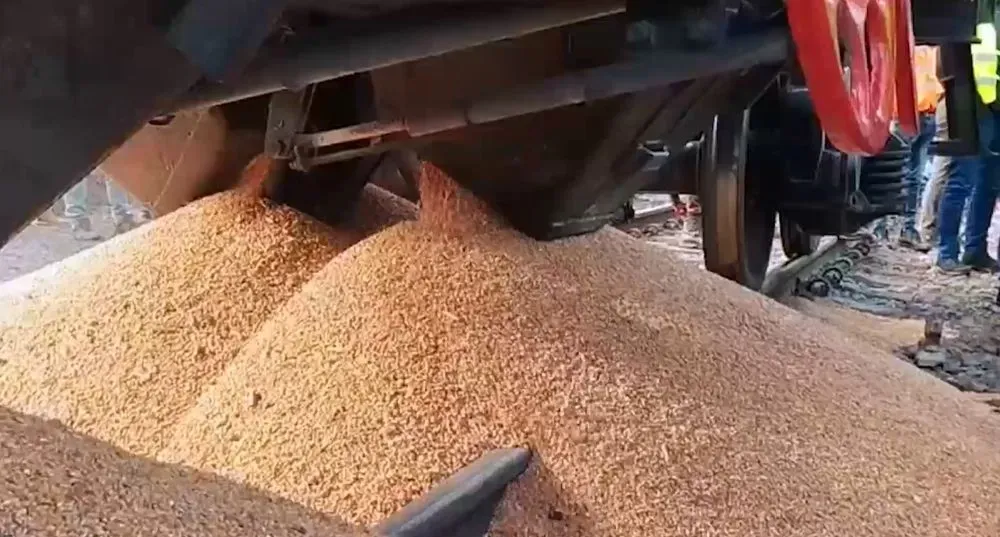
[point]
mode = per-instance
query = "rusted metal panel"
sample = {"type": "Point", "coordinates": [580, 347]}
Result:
{"type": "Point", "coordinates": [517, 155]}
{"type": "Point", "coordinates": [168, 166]}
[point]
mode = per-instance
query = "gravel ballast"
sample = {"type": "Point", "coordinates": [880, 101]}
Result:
{"type": "Point", "coordinates": [57, 483]}
{"type": "Point", "coordinates": [118, 341]}
{"type": "Point", "coordinates": [658, 399]}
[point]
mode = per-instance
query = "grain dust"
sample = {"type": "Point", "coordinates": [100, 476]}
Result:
{"type": "Point", "coordinates": [659, 399]}
{"type": "Point", "coordinates": [120, 340]}
{"type": "Point", "coordinates": [56, 483]}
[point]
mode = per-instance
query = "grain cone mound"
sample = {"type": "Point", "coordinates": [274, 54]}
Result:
{"type": "Point", "coordinates": [58, 483]}
{"type": "Point", "coordinates": [659, 399]}
{"type": "Point", "coordinates": [120, 341]}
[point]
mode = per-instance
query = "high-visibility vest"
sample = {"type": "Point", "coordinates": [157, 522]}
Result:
{"type": "Point", "coordinates": [984, 62]}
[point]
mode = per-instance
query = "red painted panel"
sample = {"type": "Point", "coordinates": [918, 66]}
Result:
{"type": "Point", "coordinates": [856, 115]}
{"type": "Point", "coordinates": [906, 86]}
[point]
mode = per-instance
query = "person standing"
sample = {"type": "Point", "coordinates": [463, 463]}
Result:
{"type": "Point", "coordinates": [930, 201]}
{"type": "Point", "coordinates": [929, 93]}
{"type": "Point", "coordinates": [687, 209]}
{"type": "Point", "coordinates": [975, 178]}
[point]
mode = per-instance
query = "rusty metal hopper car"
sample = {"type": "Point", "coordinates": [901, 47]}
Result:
{"type": "Point", "coordinates": [543, 109]}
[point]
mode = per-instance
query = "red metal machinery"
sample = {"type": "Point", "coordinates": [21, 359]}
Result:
{"type": "Point", "coordinates": [878, 38]}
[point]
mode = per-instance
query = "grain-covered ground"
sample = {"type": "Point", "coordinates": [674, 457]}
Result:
{"type": "Point", "coordinates": [654, 395]}
{"type": "Point", "coordinates": [58, 483]}
{"type": "Point", "coordinates": [892, 282]}
{"type": "Point", "coordinates": [898, 283]}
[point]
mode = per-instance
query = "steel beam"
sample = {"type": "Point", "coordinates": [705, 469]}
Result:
{"type": "Point", "coordinates": [652, 71]}
{"type": "Point", "coordinates": [391, 45]}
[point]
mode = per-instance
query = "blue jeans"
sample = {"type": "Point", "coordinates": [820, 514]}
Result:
{"type": "Point", "coordinates": [915, 178]}
{"type": "Point", "coordinates": [973, 179]}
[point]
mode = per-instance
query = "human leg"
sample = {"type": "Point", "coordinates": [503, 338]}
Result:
{"type": "Point", "coordinates": [121, 207]}
{"type": "Point", "coordinates": [118, 200]}
{"type": "Point", "coordinates": [75, 210]}
{"type": "Point", "coordinates": [915, 169]}
{"type": "Point", "coordinates": [126, 213]}
{"type": "Point", "coordinates": [962, 172]}
{"type": "Point", "coordinates": [915, 182]}
{"type": "Point", "coordinates": [691, 223]}
{"type": "Point", "coordinates": [983, 199]}
{"type": "Point", "coordinates": [881, 228]}
{"type": "Point", "coordinates": [75, 201]}
{"type": "Point", "coordinates": [930, 202]}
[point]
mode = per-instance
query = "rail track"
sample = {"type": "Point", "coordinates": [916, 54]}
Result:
{"type": "Point", "coordinates": [818, 273]}
{"type": "Point", "coordinates": [815, 274]}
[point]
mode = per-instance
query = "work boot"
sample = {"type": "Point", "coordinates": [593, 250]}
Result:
{"type": "Point", "coordinates": [692, 231]}
{"type": "Point", "coordinates": [124, 224]}
{"type": "Point", "coordinates": [929, 234]}
{"type": "Point", "coordinates": [82, 231]}
{"type": "Point", "coordinates": [692, 224]}
{"type": "Point", "coordinates": [911, 239]}
{"type": "Point", "coordinates": [46, 219]}
{"type": "Point", "coordinates": [881, 233]}
{"type": "Point", "coordinates": [952, 267]}
{"type": "Point", "coordinates": [145, 215]}
{"type": "Point", "coordinates": [680, 211]}
{"type": "Point", "coordinates": [980, 263]}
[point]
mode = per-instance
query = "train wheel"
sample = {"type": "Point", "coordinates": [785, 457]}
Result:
{"type": "Point", "coordinates": [794, 241]}
{"type": "Point", "coordinates": [737, 215]}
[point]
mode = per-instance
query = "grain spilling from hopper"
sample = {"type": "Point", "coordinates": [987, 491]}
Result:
{"type": "Point", "coordinates": [659, 400]}
{"type": "Point", "coordinates": [58, 483]}
{"type": "Point", "coordinates": [118, 342]}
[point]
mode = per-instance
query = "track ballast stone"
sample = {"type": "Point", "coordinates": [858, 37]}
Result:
{"type": "Point", "coordinates": [658, 399]}
{"type": "Point", "coordinates": [119, 341]}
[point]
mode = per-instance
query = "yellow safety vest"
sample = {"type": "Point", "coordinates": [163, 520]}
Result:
{"type": "Point", "coordinates": [984, 62]}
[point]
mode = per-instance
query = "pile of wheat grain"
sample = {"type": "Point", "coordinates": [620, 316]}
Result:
{"type": "Point", "coordinates": [659, 399]}
{"type": "Point", "coordinates": [885, 333]}
{"type": "Point", "coordinates": [120, 341]}
{"type": "Point", "coordinates": [58, 483]}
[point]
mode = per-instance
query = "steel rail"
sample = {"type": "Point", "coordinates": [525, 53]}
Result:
{"type": "Point", "coordinates": [785, 280]}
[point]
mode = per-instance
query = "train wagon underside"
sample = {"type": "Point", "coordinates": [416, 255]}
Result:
{"type": "Point", "coordinates": [556, 113]}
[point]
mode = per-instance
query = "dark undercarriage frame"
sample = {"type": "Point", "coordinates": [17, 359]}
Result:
{"type": "Point", "coordinates": [559, 152]}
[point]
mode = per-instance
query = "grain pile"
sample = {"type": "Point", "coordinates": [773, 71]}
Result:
{"type": "Point", "coordinates": [119, 342]}
{"type": "Point", "coordinates": [885, 333]}
{"type": "Point", "coordinates": [56, 483]}
{"type": "Point", "coordinates": [659, 399]}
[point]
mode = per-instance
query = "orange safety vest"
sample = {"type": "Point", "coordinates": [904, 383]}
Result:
{"type": "Point", "coordinates": [929, 88]}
